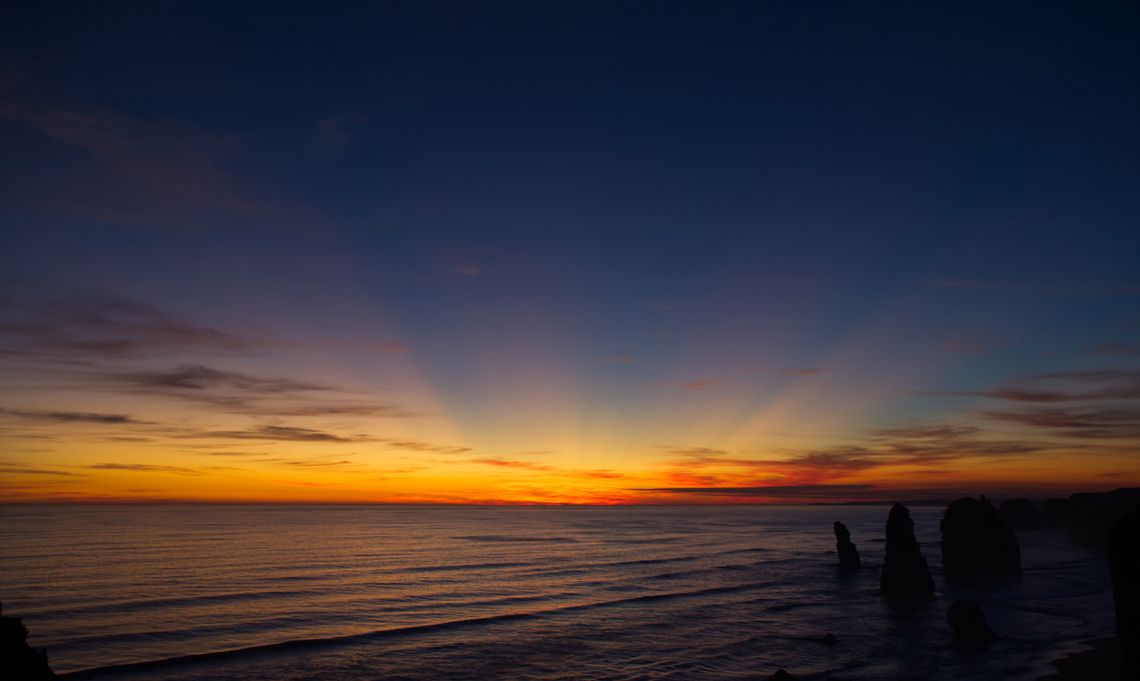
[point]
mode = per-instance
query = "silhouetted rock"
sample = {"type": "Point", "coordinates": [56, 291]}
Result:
{"type": "Point", "coordinates": [976, 543]}
{"type": "Point", "coordinates": [905, 573]}
{"type": "Point", "coordinates": [1020, 514]}
{"type": "Point", "coordinates": [18, 660]}
{"type": "Point", "coordinates": [782, 675]}
{"type": "Point", "coordinates": [1055, 512]}
{"type": "Point", "coordinates": [848, 554]}
{"type": "Point", "coordinates": [1089, 516]}
{"type": "Point", "coordinates": [1092, 516]}
{"type": "Point", "coordinates": [969, 624]}
{"type": "Point", "coordinates": [1124, 565]}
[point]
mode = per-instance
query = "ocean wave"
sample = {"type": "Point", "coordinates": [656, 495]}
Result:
{"type": "Point", "coordinates": [334, 641]}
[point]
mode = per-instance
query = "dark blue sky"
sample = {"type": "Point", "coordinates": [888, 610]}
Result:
{"type": "Point", "coordinates": [911, 197]}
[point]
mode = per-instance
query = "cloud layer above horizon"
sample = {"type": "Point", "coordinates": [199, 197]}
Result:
{"type": "Point", "coordinates": [567, 255]}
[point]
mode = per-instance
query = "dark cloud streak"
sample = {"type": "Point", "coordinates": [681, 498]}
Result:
{"type": "Point", "coordinates": [72, 417]}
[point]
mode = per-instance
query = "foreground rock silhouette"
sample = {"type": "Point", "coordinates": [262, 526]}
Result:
{"type": "Point", "coordinates": [905, 573]}
{"type": "Point", "coordinates": [18, 660]}
{"type": "Point", "coordinates": [848, 554]}
{"type": "Point", "coordinates": [1124, 566]}
{"type": "Point", "coordinates": [782, 675]}
{"type": "Point", "coordinates": [976, 542]}
{"type": "Point", "coordinates": [968, 621]}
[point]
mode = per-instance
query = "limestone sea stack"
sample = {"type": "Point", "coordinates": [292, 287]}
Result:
{"type": "Point", "coordinates": [905, 573]}
{"type": "Point", "coordinates": [976, 542]}
{"type": "Point", "coordinates": [848, 554]}
{"type": "Point", "coordinates": [1020, 514]}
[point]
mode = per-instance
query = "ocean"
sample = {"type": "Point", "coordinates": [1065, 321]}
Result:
{"type": "Point", "coordinates": [197, 592]}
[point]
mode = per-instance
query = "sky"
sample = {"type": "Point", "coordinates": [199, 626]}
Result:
{"type": "Point", "coordinates": [619, 252]}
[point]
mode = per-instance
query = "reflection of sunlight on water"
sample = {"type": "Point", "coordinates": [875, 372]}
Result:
{"type": "Point", "coordinates": [529, 592]}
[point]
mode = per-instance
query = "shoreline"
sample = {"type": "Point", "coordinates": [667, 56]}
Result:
{"type": "Point", "coordinates": [1096, 659]}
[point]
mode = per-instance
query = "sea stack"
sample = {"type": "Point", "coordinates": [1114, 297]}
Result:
{"type": "Point", "coordinates": [18, 660]}
{"type": "Point", "coordinates": [1020, 514]}
{"type": "Point", "coordinates": [848, 554]}
{"type": "Point", "coordinates": [905, 573]}
{"type": "Point", "coordinates": [976, 542]}
{"type": "Point", "coordinates": [1124, 566]}
{"type": "Point", "coordinates": [968, 621]}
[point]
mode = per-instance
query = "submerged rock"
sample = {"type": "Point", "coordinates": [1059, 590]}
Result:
{"type": "Point", "coordinates": [905, 573]}
{"type": "Point", "coordinates": [1124, 566]}
{"type": "Point", "coordinates": [848, 554]}
{"type": "Point", "coordinates": [18, 660]}
{"type": "Point", "coordinates": [969, 624]}
{"type": "Point", "coordinates": [976, 542]}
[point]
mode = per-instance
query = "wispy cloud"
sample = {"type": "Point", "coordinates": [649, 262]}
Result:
{"type": "Point", "coordinates": [46, 320]}
{"type": "Point", "coordinates": [923, 445]}
{"type": "Point", "coordinates": [803, 371]}
{"type": "Point", "coordinates": [847, 460]}
{"type": "Point", "coordinates": [54, 321]}
{"type": "Point", "coordinates": [15, 468]}
{"type": "Point", "coordinates": [601, 474]}
{"type": "Point", "coordinates": [281, 433]}
{"type": "Point", "coordinates": [772, 491]}
{"type": "Point", "coordinates": [144, 468]}
{"type": "Point", "coordinates": [926, 432]}
{"type": "Point", "coordinates": [1120, 423]}
{"type": "Point", "coordinates": [418, 446]}
{"type": "Point", "coordinates": [508, 463]}
{"type": "Point", "coordinates": [694, 451]}
{"type": "Point", "coordinates": [1063, 386]}
{"type": "Point", "coordinates": [467, 269]}
{"type": "Point", "coordinates": [70, 416]}
{"type": "Point", "coordinates": [317, 463]}
{"type": "Point", "coordinates": [700, 384]}
{"type": "Point", "coordinates": [243, 393]}
{"type": "Point", "coordinates": [198, 377]}
{"type": "Point", "coordinates": [135, 171]}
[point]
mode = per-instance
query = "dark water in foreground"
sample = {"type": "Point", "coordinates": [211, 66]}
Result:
{"type": "Point", "coordinates": [523, 593]}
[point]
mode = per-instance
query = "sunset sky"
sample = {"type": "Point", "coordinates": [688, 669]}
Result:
{"type": "Point", "coordinates": [568, 252]}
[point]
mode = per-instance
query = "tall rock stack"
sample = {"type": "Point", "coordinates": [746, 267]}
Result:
{"type": "Point", "coordinates": [848, 554]}
{"type": "Point", "coordinates": [905, 573]}
{"type": "Point", "coordinates": [1124, 566]}
{"type": "Point", "coordinates": [976, 542]}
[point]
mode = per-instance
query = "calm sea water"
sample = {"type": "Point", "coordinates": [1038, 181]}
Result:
{"type": "Point", "coordinates": [405, 592]}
